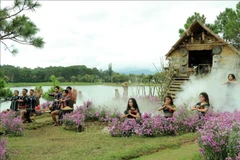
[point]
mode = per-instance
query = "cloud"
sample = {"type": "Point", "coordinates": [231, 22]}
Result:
{"type": "Point", "coordinates": [128, 34]}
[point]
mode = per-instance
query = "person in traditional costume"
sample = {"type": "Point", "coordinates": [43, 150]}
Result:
{"type": "Point", "coordinates": [231, 83]}
{"type": "Point", "coordinates": [132, 110]}
{"type": "Point", "coordinates": [202, 106]}
{"type": "Point", "coordinates": [168, 107]}
{"type": "Point", "coordinates": [31, 106]}
{"type": "Point", "coordinates": [14, 102]}
{"type": "Point", "coordinates": [125, 90]}
{"type": "Point", "coordinates": [56, 97]}
{"type": "Point", "coordinates": [63, 102]}
{"type": "Point", "coordinates": [117, 95]}
{"type": "Point", "coordinates": [23, 103]}
{"type": "Point", "coordinates": [72, 93]}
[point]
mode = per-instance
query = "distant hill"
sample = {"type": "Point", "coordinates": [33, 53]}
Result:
{"type": "Point", "coordinates": [135, 71]}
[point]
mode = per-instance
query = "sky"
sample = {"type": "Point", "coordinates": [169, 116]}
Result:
{"type": "Point", "coordinates": [128, 34]}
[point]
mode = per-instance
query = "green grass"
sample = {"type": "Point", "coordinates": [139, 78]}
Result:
{"type": "Point", "coordinates": [186, 151]}
{"type": "Point", "coordinates": [48, 142]}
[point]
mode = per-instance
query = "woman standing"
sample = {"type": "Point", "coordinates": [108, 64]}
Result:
{"type": "Point", "coordinates": [125, 90]}
{"type": "Point", "coordinates": [231, 83]}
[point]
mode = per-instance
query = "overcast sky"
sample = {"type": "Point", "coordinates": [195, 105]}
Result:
{"type": "Point", "coordinates": [131, 34]}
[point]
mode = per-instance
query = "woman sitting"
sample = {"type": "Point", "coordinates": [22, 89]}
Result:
{"type": "Point", "coordinates": [168, 107]}
{"type": "Point", "coordinates": [132, 110]}
{"type": "Point", "coordinates": [202, 106]}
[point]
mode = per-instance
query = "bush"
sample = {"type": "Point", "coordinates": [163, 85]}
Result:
{"type": "Point", "coordinates": [3, 149]}
{"type": "Point", "coordinates": [219, 137]}
{"type": "Point", "coordinates": [11, 123]}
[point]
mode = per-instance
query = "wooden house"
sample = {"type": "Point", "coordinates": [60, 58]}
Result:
{"type": "Point", "coordinates": [199, 51]}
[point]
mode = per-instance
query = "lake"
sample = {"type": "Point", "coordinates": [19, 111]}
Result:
{"type": "Point", "coordinates": [100, 95]}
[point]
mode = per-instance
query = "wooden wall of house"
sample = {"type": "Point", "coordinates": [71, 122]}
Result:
{"type": "Point", "coordinates": [228, 57]}
{"type": "Point", "coordinates": [175, 57]}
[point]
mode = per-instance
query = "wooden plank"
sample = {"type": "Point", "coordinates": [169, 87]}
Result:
{"type": "Point", "coordinates": [171, 92]}
{"type": "Point", "coordinates": [175, 86]}
{"type": "Point", "coordinates": [177, 83]}
{"type": "Point", "coordinates": [175, 89]}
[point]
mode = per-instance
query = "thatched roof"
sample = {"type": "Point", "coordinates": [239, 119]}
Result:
{"type": "Point", "coordinates": [196, 26]}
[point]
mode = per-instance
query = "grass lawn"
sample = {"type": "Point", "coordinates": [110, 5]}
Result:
{"type": "Point", "coordinates": [186, 151]}
{"type": "Point", "coordinates": [50, 143]}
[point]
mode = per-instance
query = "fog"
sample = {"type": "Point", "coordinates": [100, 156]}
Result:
{"type": "Point", "coordinates": [101, 96]}
{"type": "Point", "coordinates": [213, 85]}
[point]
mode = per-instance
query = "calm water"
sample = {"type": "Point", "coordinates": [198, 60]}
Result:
{"type": "Point", "coordinates": [100, 95]}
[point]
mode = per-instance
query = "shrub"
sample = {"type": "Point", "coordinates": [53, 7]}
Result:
{"type": "Point", "coordinates": [219, 136]}
{"type": "Point", "coordinates": [11, 124]}
{"type": "Point", "coordinates": [3, 149]}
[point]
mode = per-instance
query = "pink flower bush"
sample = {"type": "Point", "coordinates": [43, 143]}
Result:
{"type": "Point", "coordinates": [219, 136]}
{"type": "Point", "coordinates": [78, 116]}
{"type": "Point", "coordinates": [11, 123]}
{"type": "Point", "coordinates": [3, 149]}
{"type": "Point", "coordinates": [45, 104]}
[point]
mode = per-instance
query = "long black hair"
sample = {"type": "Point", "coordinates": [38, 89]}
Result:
{"type": "Point", "coordinates": [205, 95]}
{"type": "Point", "coordinates": [171, 103]}
{"type": "Point", "coordinates": [233, 76]}
{"type": "Point", "coordinates": [135, 105]}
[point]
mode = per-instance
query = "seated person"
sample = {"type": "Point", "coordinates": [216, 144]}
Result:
{"type": "Point", "coordinates": [64, 101]}
{"type": "Point", "coordinates": [30, 110]}
{"type": "Point", "coordinates": [168, 107]}
{"type": "Point", "coordinates": [132, 110]}
{"type": "Point", "coordinates": [23, 104]}
{"type": "Point", "coordinates": [72, 93]}
{"type": "Point", "coordinates": [14, 102]}
{"type": "Point", "coordinates": [38, 96]}
{"type": "Point", "coordinates": [202, 106]}
{"type": "Point", "coordinates": [56, 97]}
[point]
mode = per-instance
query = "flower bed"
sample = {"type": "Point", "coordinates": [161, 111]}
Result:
{"type": "Point", "coordinates": [11, 124]}
{"type": "Point", "coordinates": [219, 137]}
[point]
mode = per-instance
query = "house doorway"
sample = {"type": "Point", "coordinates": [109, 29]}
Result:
{"type": "Point", "coordinates": [201, 61]}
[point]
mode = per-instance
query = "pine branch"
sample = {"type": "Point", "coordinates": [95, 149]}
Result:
{"type": "Point", "coordinates": [6, 47]}
{"type": "Point", "coordinates": [20, 41]}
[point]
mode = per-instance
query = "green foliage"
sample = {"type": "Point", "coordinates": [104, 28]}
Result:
{"type": "Point", "coordinates": [16, 26]}
{"type": "Point", "coordinates": [228, 23]}
{"type": "Point", "coordinates": [61, 79]}
{"type": "Point", "coordinates": [190, 20]}
{"type": "Point", "coordinates": [119, 78]}
{"type": "Point", "coordinates": [55, 83]}
{"type": "Point", "coordinates": [201, 18]}
{"type": "Point", "coordinates": [38, 89]}
{"type": "Point", "coordinates": [4, 92]}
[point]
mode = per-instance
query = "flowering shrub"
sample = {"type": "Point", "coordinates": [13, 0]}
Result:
{"type": "Point", "coordinates": [3, 149]}
{"type": "Point", "coordinates": [11, 124]}
{"type": "Point", "coordinates": [219, 137]}
{"type": "Point", "coordinates": [45, 104]}
{"type": "Point", "coordinates": [187, 121]}
{"type": "Point", "coordinates": [78, 116]}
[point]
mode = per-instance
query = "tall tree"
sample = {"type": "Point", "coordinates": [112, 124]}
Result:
{"type": "Point", "coordinates": [190, 20]}
{"type": "Point", "coordinates": [228, 23]}
{"type": "Point", "coordinates": [200, 18]}
{"type": "Point", "coordinates": [17, 27]}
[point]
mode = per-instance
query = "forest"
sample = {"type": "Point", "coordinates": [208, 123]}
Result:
{"type": "Point", "coordinates": [77, 73]}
